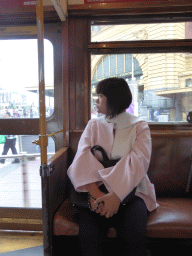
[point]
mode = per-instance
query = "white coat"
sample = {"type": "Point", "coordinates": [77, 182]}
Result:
{"type": "Point", "coordinates": [129, 172]}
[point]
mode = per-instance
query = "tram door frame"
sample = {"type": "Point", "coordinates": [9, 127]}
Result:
{"type": "Point", "coordinates": [30, 126]}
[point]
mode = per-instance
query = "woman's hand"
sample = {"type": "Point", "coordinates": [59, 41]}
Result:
{"type": "Point", "coordinates": [109, 204]}
{"type": "Point", "coordinates": [92, 200]}
{"type": "Point", "coordinates": [94, 192]}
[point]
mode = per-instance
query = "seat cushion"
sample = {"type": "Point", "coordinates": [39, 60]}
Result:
{"type": "Point", "coordinates": [64, 222]}
{"type": "Point", "coordinates": [172, 219]}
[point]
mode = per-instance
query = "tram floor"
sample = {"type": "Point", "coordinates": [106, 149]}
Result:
{"type": "Point", "coordinates": [31, 244]}
{"type": "Point", "coordinates": [21, 244]}
{"type": "Point", "coordinates": [155, 247]}
{"type": "Point", "coordinates": [169, 246]}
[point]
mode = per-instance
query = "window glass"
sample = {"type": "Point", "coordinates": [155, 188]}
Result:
{"type": "Point", "coordinates": [189, 82]}
{"type": "Point", "coordinates": [19, 96]}
{"type": "Point", "coordinates": [20, 182]}
{"type": "Point", "coordinates": [160, 83]}
{"type": "Point", "coordinates": [134, 32]}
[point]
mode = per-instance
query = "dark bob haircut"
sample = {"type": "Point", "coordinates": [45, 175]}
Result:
{"type": "Point", "coordinates": [118, 95]}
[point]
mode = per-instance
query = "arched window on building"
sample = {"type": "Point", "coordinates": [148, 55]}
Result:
{"type": "Point", "coordinates": [118, 65]}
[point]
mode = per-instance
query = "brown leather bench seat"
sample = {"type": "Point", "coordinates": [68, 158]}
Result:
{"type": "Point", "coordinates": [173, 219]}
{"type": "Point", "coordinates": [169, 172]}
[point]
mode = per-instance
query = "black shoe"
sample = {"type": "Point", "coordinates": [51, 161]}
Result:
{"type": "Point", "coordinates": [16, 161]}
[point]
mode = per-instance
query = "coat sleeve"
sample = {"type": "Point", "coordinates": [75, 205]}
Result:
{"type": "Point", "coordinates": [85, 166]}
{"type": "Point", "coordinates": [132, 168]}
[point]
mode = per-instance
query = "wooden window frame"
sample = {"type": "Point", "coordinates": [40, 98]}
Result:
{"type": "Point", "coordinates": [131, 8]}
{"type": "Point", "coordinates": [143, 46]}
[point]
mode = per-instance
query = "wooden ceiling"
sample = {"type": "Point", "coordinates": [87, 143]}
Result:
{"type": "Point", "coordinates": [27, 15]}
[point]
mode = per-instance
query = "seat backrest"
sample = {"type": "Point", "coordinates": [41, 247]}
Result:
{"type": "Point", "coordinates": [58, 182]}
{"type": "Point", "coordinates": [170, 164]}
{"type": "Point", "coordinates": [170, 161]}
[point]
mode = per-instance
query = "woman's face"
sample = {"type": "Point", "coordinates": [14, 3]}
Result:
{"type": "Point", "coordinates": [101, 104]}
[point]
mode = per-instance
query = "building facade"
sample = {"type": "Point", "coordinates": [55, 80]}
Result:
{"type": "Point", "coordinates": [161, 83]}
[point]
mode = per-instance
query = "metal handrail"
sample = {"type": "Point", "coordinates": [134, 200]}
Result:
{"type": "Point", "coordinates": [24, 154]}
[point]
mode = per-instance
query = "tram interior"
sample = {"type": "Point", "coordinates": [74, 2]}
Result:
{"type": "Point", "coordinates": [85, 41]}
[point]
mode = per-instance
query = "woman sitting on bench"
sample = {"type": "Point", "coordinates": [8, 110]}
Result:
{"type": "Point", "coordinates": [124, 136]}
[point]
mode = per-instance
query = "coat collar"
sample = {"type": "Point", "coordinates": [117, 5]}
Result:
{"type": "Point", "coordinates": [122, 120]}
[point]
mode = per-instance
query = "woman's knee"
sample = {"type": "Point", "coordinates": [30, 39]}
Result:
{"type": "Point", "coordinates": [91, 224]}
{"type": "Point", "coordinates": [133, 220]}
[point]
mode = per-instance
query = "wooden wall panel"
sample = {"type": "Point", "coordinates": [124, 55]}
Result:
{"type": "Point", "coordinates": [72, 74]}
{"type": "Point", "coordinates": [65, 38]}
{"type": "Point", "coordinates": [26, 15]}
{"type": "Point", "coordinates": [79, 62]}
{"type": "Point", "coordinates": [29, 219]}
{"type": "Point", "coordinates": [78, 73]}
{"type": "Point", "coordinates": [131, 8]}
{"type": "Point", "coordinates": [19, 126]}
{"type": "Point", "coordinates": [58, 180]}
{"type": "Point", "coordinates": [81, 56]}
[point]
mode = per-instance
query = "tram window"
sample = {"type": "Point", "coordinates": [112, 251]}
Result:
{"type": "Point", "coordinates": [134, 32]}
{"type": "Point", "coordinates": [157, 81]}
{"type": "Point", "coordinates": [19, 96]}
{"type": "Point", "coordinates": [20, 182]}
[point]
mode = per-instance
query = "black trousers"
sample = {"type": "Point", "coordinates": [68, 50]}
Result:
{"type": "Point", "coordinates": [9, 144]}
{"type": "Point", "coordinates": [130, 223]}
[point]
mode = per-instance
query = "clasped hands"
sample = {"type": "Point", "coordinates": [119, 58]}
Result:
{"type": "Point", "coordinates": [106, 205]}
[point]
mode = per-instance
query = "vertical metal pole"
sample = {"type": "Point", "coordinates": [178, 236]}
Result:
{"type": "Point", "coordinates": [40, 37]}
{"type": "Point", "coordinates": [44, 171]}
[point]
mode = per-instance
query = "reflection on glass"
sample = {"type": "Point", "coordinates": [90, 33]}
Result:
{"type": "Point", "coordinates": [20, 181]}
{"type": "Point", "coordinates": [19, 96]}
{"type": "Point", "coordinates": [161, 83]}
{"type": "Point", "coordinates": [135, 32]}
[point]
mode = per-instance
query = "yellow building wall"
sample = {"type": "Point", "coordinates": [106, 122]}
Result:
{"type": "Point", "coordinates": [160, 71]}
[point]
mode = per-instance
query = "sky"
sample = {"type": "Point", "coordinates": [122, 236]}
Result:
{"type": "Point", "coordinates": [19, 64]}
